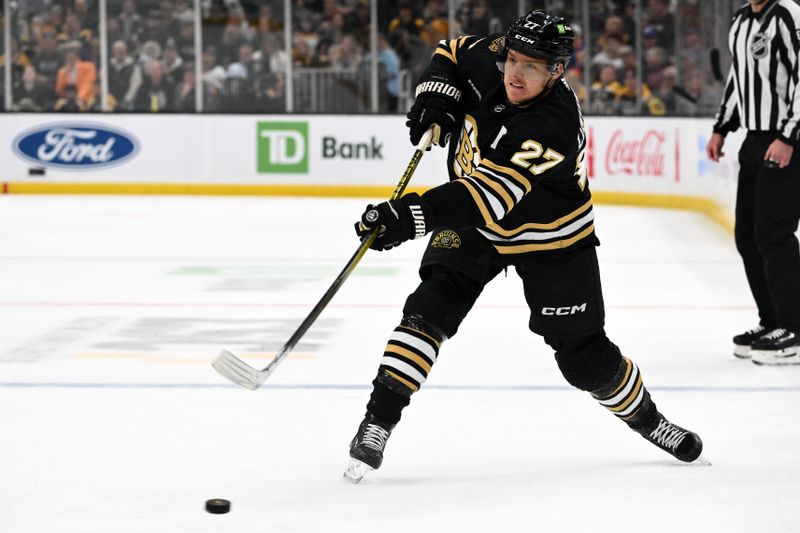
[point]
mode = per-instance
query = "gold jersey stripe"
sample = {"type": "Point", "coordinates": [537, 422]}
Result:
{"type": "Point", "coordinates": [508, 172]}
{"type": "Point", "coordinates": [556, 245]}
{"type": "Point", "coordinates": [497, 188]}
{"type": "Point", "coordinates": [563, 221]}
{"type": "Point", "coordinates": [447, 54]}
{"type": "Point", "coordinates": [412, 332]}
{"type": "Point", "coordinates": [413, 386]}
{"type": "Point", "coordinates": [411, 356]}
{"type": "Point", "coordinates": [476, 197]}
{"type": "Point", "coordinates": [631, 397]}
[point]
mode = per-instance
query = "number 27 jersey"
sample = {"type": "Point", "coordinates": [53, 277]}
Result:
{"type": "Point", "coordinates": [517, 173]}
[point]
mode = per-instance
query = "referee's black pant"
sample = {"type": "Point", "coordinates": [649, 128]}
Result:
{"type": "Point", "coordinates": [767, 213]}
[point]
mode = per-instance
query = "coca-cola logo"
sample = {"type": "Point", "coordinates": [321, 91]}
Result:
{"type": "Point", "coordinates": [642, 156]}
{"type": "Point", "coordinates": [77, 146]}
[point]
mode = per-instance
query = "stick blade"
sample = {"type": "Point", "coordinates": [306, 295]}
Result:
{"type": "Point", "coordinates": [234, 369]}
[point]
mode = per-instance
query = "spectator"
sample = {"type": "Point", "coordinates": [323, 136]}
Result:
{"type": "Point", "coordinates": [48, 59]}
{"type": "Point", "coordinates": [389, 65]}
{"type": "Point", "coordinates": [156, 92]}
{"type": "Point", "coordinates": [124, 76]}
{"type": "Point", "coordinates": [184, 99]}
{"type": "Point", "coordinates": [271, 57]}
{"type": "Point", "coordinates": [114, 30]}
{"type": "Point", "coordinates": [69, 102]}
{"type": "Point", "coordinates": [213, 80]}
{"type": "Point", "coordinates": [404, 27]}
{"type": "Point", "coordinates": [242, 82]}
{"type": "Point", "coordinates": [155, 28]}
{"type": "Point", "coordinates": [357, 22]}
{"type": "Point", "coordinates": [31, 94]}
{"type": "Point", "coordinates": [274, 93]}
{"type": "Point", "coordinates": [614, 26]}
{"type": "Point", "coordinates": [233, 37]}
{"type": "Point", "coordinates": [706, 94]}
{"type": "Point", "coordinates": [662, 23]}
{"type": "Point", "coordinates": [692, 54]}
{"type": "Point", "coordinates": [130, 22]}
{"type": "Point", "coordinates": [172, 63]}
{"type": "Point", "coordinates": [609, 55]}
{"type": "Point", "coordinates": [662, 102]}
{"type": "Point", "coordinates": [477, 19]}
{"type": "Point", "coordinates": [605, 91]}
{"type": "Point", "coordinates": [76, 73]}
{"type": "Point", "coordinates": [149, 51]}
{"type": "Point", "coordinates": [184, 41]}
{"type": "Point", "coordinates": [627, 102]}
{"type": "Point", "coordinates": [73, 32]}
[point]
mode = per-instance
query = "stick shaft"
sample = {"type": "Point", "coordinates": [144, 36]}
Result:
{"type": "Point", "coordinates": [349, 267]}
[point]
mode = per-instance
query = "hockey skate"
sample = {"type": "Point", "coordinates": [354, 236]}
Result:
{"type": "Point", "coordinates": [742, 343]}
{"type": "Point", "coordinates": [779, 347]}
{"type": "Point", "coordinates": [366, 448]}
{"type": "Point", "coordinates": [676, 441]}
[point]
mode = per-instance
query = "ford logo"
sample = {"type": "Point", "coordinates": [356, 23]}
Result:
{"type": "Point", "coordinates": [75, 146]}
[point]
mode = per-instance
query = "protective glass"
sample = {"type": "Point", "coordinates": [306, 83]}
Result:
{"type": "Point", "coordinates": [526, 70]}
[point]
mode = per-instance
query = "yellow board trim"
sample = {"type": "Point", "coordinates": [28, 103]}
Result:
{"type": "Point", "coordinates": [707, 206]}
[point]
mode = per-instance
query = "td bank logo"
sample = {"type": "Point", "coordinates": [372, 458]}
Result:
{"type": "Point", "coordinates": [282, 147]}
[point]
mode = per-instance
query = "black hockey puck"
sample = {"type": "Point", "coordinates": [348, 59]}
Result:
{"type": "Point", "coordinates": [218, 506]}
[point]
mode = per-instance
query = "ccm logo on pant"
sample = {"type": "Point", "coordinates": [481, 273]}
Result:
{"type": "Point", "coordinates": [561, 311]}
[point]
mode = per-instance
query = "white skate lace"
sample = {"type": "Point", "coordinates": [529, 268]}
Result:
{"type": "Point", "coordinates": [667, 435]}
{"type": "Point", "coordinates": [756, 330]}
{"type": "Point", "coordinates": [375, 437]}
{"type": "Point", "coordinates": [775, 333]}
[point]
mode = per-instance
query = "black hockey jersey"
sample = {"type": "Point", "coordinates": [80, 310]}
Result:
{"type": "Point", "coordinates": [517, 173]}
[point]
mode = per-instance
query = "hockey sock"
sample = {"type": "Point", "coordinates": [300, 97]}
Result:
{"type": "Point", "coordinates": [409, 356]}
{"type": "Point", "coordinates": [625, 395]}
{"type": "Point", "coordinates": [406, 363]}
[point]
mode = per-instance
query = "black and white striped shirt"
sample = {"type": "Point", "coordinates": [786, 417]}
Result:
{"type": "Point", "coordinates": [763, 89]}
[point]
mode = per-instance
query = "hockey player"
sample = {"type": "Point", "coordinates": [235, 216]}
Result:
{"type": "Point", "coordinates": [518, 196]}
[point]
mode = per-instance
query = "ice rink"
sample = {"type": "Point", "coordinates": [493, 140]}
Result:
{"type": "Point", "coordinates": [113, 421]}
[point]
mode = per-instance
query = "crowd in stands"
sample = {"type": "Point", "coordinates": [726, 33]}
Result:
{"type": "Point", "coordinates": [55, 53]}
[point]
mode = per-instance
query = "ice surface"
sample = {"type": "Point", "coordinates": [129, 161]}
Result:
{"type": "Point", "coordinates": [112, 420]}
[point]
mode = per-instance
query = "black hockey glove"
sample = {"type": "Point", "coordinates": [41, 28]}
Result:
{"type": "Point", "coordinates": [397, 221]}
{"type": "Point", "coordinates": [436, 105]}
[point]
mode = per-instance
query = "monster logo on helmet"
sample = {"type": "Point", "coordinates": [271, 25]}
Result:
{"type": "Point", "coordinates": [542, 36]}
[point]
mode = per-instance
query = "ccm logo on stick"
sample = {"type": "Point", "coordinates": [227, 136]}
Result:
{"type": "Point", "coordinates": [561, 311]}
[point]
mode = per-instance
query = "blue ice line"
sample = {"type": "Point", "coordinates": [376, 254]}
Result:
{"type": "Point", "coordinates": [311, 386]}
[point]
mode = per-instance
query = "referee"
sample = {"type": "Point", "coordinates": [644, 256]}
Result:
{"type": "Point", "coordinates": [762, 95]}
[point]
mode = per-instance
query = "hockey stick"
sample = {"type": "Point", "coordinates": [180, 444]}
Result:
{"type": "Point", "coordinates": [239, 372]}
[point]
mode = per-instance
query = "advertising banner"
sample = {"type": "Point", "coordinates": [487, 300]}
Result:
{"type": "Point", "coordinates": [664, 156]}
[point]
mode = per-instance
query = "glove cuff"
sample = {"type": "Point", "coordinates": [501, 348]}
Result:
{"type": "Point", "coordinates": [420, 220]}
{"type": "Point", "coordinates": [438, 85]}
